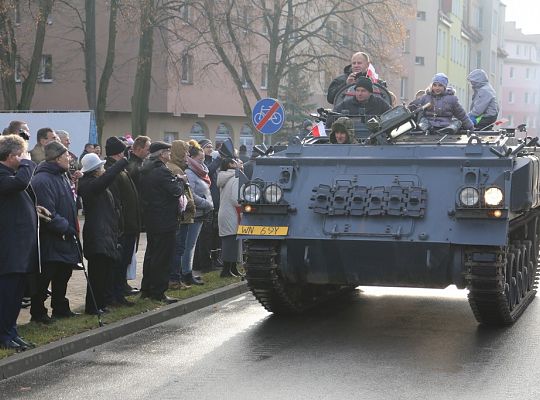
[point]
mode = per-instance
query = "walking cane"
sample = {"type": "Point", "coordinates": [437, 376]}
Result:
{"type": "Point", "coordinates": [98, 311]}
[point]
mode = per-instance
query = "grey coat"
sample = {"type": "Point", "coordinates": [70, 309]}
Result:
{"type": "Point", "coordinates": [201, 194]}
{"type": "Point", "coordinates": [484, 101]}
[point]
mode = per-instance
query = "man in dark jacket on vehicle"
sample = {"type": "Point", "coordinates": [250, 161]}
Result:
{"type": "Point", "coordinates": [18, 236]}
{"type": "Point", "coordinates": [58, 244]}
{"type": "Point", "coordinates": [363, 102]}
{"type": "Point", "coordinates": [160, 192]}
{"type": "Point", "coordinates": [126, 196]}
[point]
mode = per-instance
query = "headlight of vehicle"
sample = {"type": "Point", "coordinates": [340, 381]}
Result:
{"type": "Point", "coordinates": [273, 194]}
{"type": "Point", "coordinates": [252, 193]}
{"type": "Point", "coordinates": [469, 196]}
{"type": "Point", "coordinates": [493, 196]}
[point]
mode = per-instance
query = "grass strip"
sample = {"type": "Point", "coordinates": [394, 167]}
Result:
{"type": "Point", "coordinates": [41, 334]}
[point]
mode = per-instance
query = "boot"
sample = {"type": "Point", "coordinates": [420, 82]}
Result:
{"type": "Point", "coordinates": [226, 272]}
{"type": "Point", "coordinates": [234, 270]}
{"type": "Point", "coordinates": [217, 263]}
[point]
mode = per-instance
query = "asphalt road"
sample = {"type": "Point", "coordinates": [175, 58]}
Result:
{"type": "Point", "coordinates": [380, 344]}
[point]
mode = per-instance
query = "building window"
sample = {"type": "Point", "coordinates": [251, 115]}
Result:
{"type": "Point", "coordinates": [223, 132]}
{"type": "Point", "coordinates": [17, 12]}
{"type": "Point", "coordinates": [18, 69]}
{"type": "Point", "coordinates": [264, 76]}
{"type": "Point", "coordinates": [527, 73]}
{"type": "Point", "coordinates": [421, 15]}
{"type": "Point", "coordinates": [197, 132]}
{"type": "Point", "coordinates": [246, 137]}
{"type": "Point", "coordinates": [331, 31]}
{"type": "Point", "coordinates": [187, 69]}
{"type": "Point", "coordinates": [403, 88]}
{"type": "Point", "coordinates": [419, 60]}
{"type": "Point", "coordinates": [518, 49]}
{"type": "Point", "coordinates": [184, 12]}
{"type": "Point", "coordinates": [526, 98]}
{"type": "Point", "coordinates": [170, 136]}
{"type": "Point", "coordinates": [478, 59]}
{"type": "Point", "coordinates": [511, 97]}
{"type": "Point", "coordinates": [45, 69]}
{"type": "Point", "coordinates": [347, 32]}
{"type": "Point", "coordinates": [510, 119]}
{"type": "Point", "coordinates": [407, 42]}
{"type": "Point", "coordinates": [511, 72]}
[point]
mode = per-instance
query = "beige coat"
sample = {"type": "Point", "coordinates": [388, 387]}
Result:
{"type": "Point", "coordinates": [228, 190]}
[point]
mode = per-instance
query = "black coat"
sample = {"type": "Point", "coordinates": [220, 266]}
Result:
{"type": "Point", "coordinates": [101, 213]}
{"type": "Point", "coordinates": [134, 169]}
{"type": "Point", "coordinates": [53, 191]}
{"type": "Point", "coordinates": [373, 106]}
{"type": "Point", "coordinates": [126, 195]}
{"type": "Point", "coordinates": [160, 191]}
{"type": "Point", "coordinates": [18, 221]}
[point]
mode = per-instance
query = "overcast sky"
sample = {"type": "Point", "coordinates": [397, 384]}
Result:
{"type": "Point", "coordinates": [526, 13]}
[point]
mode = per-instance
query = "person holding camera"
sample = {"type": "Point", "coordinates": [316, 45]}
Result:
{"type": "Point", "coordinates": [360, 66]}
{"type": "Point", "coordinates": [19, 128]}
{"type": "Point", "coordinates": [18, 235]}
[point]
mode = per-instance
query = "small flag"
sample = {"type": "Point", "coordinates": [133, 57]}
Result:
{"type": "Point", "coordinates": [501, 121]}
{"type": "Point", "coordinates": [319, 130]}
{"type": "Point", "coordinates": [371, 74]}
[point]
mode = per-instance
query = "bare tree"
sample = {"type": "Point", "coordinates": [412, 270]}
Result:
{"type": "Point", "coordinates": [9, 55]}
{"type": "Point", "coordinates": [310, 35]}
{"type": "Point", "coordinates": [90, 52]}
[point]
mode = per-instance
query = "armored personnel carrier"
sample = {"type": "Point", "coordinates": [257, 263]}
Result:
{"type": "Point", "coordinates": [403, 208]}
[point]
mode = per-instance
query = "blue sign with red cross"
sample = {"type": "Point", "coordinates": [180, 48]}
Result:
{"type": "Point", "coordinates": [268, 116]}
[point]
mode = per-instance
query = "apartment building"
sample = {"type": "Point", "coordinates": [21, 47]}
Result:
{"type": "Point", "coordinates": [521, 79]}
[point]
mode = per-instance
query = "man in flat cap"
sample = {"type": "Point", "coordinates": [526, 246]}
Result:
{"type": "Point", "coordinates": [58, 244]}
{"type": "Point", "coordinates": [160, 198]}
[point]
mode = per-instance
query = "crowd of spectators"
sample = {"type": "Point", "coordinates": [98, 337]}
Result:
{"type": "Point", "coordinates": [171, 191]}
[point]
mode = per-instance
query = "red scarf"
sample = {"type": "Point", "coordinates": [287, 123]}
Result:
{"type": "Point", "coordinates": [200, 169]}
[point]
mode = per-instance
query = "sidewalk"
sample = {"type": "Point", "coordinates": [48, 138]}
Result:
{"type": "Point", "coordinates": [76, 291]}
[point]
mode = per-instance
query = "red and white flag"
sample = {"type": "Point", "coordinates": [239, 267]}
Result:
{"type": "Point", "coordinates": [319, 130]}
{"type": "Point", "coordinates": [371, 74]}
{"type": "Point", "coordinates": [500, 122]}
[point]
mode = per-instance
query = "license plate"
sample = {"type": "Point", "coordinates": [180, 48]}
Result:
{"type": "Point", "coordinates": [262, 230]}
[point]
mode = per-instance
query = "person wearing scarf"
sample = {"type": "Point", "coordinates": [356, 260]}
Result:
{"type": "Point", "coordinates": [199, 181]}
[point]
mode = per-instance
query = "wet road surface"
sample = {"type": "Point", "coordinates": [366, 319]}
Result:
{"type": "Point", "coordinates": [380, 344]}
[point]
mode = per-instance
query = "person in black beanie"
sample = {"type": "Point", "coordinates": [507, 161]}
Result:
{"type": "Point", "coordinates": [363, 102]}
{"type": "Point", "coordinates": [127, 198]}
{"type": "Point", "coordinates": [209, 244]}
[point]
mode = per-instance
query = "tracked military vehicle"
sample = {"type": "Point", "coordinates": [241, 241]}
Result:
{"type": "Point", "coordinates": [403, 208]}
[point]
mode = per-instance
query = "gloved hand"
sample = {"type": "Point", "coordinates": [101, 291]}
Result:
{"type": "Point", "coordinates": [473, 119]}
{"type": "Point", "coordinates": [214, 154]}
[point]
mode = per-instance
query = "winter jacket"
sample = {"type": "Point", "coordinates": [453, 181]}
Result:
{"type": "Point", "coordinates": [160, 193]}
{"type": "Point", "coordinates": [484, 102]}
{"type": "Point", "coordinates": [443, 108]}
{"type": "Point", "coordinates": [102, 215]}
{"type": "Point", "coordinates": [201, 195]}
{"type": "Point", "coordinates": [126, 196]}
{"type": "Point", "coordinates": [177, 165]}
{"type": "Point", "coordinates": [350, 134]}
{"type": "Point", "coordinates": [18, 220]}
{"type": "Point", "coordinates": [134, 169]}
{"type": "Point", "coordinates": [213, 165]}
{"type": "Point", "coordinates": [227, 214]}
{"type": "Point", "coordinates": [372, 106]}
{"type": "Point", "coordinates": [53, 191]}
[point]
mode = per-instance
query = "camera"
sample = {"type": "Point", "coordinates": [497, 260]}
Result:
{"type": "Point", "coordinates": [24, 134]}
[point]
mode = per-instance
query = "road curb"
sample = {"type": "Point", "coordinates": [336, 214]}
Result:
{"type": "Point", "coordinates": [22, 362]}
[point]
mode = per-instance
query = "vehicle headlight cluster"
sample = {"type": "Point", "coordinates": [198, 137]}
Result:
{"type": "Point", "coordinates": [470, 196]}
{"type": "Point", "coordinates": [271, 193]}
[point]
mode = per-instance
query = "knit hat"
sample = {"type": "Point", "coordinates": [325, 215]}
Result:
{"type": "Point", "coordinates": [54, 150]}
{"type": "Point", "coordinates": [91, 162]}
{"type": "Point", "coordinates": [114, 146]}
{"type": "Point", "coordinates": [440, 78]}
{"type": "Point", "coordinates": [205, 142]}
{"type": "Point", "coordinates": [156, 146]}
{"type": "Point", "coordinates": [364, 83]}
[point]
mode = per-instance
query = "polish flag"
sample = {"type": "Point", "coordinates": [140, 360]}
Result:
{"type": "Point", "coordinates": [501, 121]}
{"type": "Point", "coordinates": [319, 130]}
{"type": "Point", "coordinates": [371, 74]}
